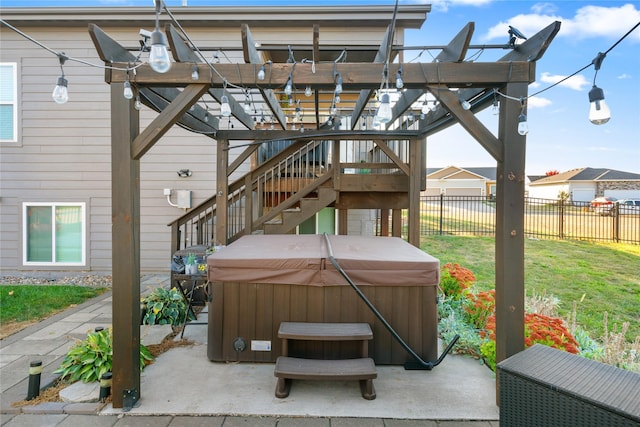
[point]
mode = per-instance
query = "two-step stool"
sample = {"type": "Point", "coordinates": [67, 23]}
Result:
{"type": "Point", "coordinates": [288, 368]}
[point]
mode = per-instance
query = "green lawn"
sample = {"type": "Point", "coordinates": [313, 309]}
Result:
{"type": "Point", "coordinates": [33, 302]}
{"type": "Point", "coordinates": [607, 275]}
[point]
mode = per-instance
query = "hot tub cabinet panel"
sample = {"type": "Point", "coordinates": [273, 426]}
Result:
{"type": "Point", "coordinates": [254, 310]}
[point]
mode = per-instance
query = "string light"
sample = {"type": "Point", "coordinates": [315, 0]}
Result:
{"type": "Point", "coordinates": [159, 56]}
{"type": "Point", "coordinates": [599, 113]}
{"type": "Point", "coordinates": [399, 81]}
{"type": "Point", "coordinates": [384, 113]}
{"type": "Point", "coordinates": [523, 126]}
{"type": "Point", "coordinates": [307, 91]}
{"type": "Point", "coordinates": [60, 93]}
{"type": "Point", "coordinates": [195, 75]}
{"type": "Point", "coordinates": [289, 86]}
{"type": "Point", "coordinates": [137, 104]}
{"type": "Point", "coordinates": [225, 109]}
{"type": "Point", "coordinates": [261, 73]}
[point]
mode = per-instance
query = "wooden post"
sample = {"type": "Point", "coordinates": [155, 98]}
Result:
{"type": "Point", "coordinates": [222, 190]}
{"type": "Point", "coordinates": [125, 249]}
{"type": "Point", "coordinates": [415, 168]}
{"type": "Point", "coordinates": [510, 228]}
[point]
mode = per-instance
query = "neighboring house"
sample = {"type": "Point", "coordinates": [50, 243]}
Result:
{"type": "Point", "coordinates": [585, 184]}
{"type": "Point", "coordinates": [457, 181]}
{"type": "Point", "coordinates": [55, 160]}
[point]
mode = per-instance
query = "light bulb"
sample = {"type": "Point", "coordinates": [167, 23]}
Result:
{"type": "Point", "coordinates": [60, 93]}
{"type": "Point", "coordinates": [337, 99]}
{"type": "Point", "coordinates": [412, 116]}
{"type": "Point", "coordinates": [159, 56]}
{"type": "Point", "coordinates": [330, 121]}
{"type": "Point", "coordinates": [523, 127]}
{"type": "Point", "coordinates": [425, 108]}
{"type": "Point", "coordinates": [261, 73]}
{"type": "Point", "coordinates": [225, 109]}
{"type": "Point", "coordinates": [466, 105]}
{"type": "Point", "coordinates": [128, 93]}
{"type": "Point", "coordinates": [247, 108]}
{"type": "Point", "coordinates": [338, 89]}
{"type": "Point", "coordinates": [138, 104]}
{"type": "Point", "coordinates": [307, 91]}
{"type": "Point", "coordinates": [384, 110]}
{"type": "Point", "coordinates": [399, 82]}
{"type": "Point", "coordinates": [195, 75]}
{"type": "Point", "coordinates": [599, 113]}
{"type": "Point", "coordinates": [289, 87]}
{"type": "Point", "coordinates": [298, 114]}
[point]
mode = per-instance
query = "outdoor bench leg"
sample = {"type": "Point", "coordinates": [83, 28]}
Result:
{"type": "Point", "coordinates": [283, 387]}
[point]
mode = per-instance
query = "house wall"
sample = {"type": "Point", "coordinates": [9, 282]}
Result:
{"type": "Point", "coordinates": [63, 152]}
{"type": "Point", "coordinates": [550, 191]}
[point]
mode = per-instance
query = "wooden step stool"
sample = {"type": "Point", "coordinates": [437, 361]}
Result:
{"type": "Point", "coordinates": [288, 368]}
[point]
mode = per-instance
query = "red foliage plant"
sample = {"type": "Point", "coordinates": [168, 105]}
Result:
{"type": "Point", "coordinates": [541, 329]}
{"type": "Point", "coordinates": [551, 173]}
{"type": "Point", "coordinates": [456, 280]}
{"type": "Point", "coordinates": [480, 307]}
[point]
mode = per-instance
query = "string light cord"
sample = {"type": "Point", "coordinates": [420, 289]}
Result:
{"type": "Point", "coordinates": [65, 56]}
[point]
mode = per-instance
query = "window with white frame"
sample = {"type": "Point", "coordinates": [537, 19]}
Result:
{"type": "Point", "coordinates": [8, 102]}
{"type": "Point", "coordinates": [54, 234]}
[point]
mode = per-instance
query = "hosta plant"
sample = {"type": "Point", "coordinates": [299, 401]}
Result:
{"type": "Point", "coordinates": [87, 360]}
{"type": "Point", "coordinates": [164, 307]}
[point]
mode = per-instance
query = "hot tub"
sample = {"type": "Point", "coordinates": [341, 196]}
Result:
{"type": "Point", "coordinates": [260, 281]}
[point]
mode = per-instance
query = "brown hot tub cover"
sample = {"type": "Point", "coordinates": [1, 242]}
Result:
{"type": "Point", "coordinates": [303, 259]}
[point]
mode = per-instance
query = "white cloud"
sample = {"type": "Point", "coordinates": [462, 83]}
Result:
{"type": "Point", "coordinates": [624, 76]}
{"type": "Point", "coordinates": [577, 82]}
{"type": "Point", "coordinates": [443, 5]}
{"type": "Point", "coordinates": [588, 22]}
{"type": "Point", "coordinates": [538, 102]}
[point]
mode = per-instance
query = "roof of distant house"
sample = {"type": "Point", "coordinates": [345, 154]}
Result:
{"type": "Point", "coordinates": [488, 173]}
{"type": "Point", "coordinates": [587, 174]}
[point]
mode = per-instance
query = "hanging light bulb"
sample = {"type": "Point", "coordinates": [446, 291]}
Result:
{"type": "Point", "coordinates": [128, 92]}
{"type": "Point", "coordinates": [247, 107]}
{"type": "Point", "coordinates": [399, 82]}
{"type": "Point", "coordinates": [195, 75]}
{"type": "Point", "coordinates": [599, 112]}
{"type": "Point", "coordinates": [412, 116]}
{"type": "Point", "coordinates": [337, 99]}
{"type": "Point", "coordinates": [466, 105]}
{"type": "Point", "coordinates": [330, 121]}
{"type": "Point", "coordinates": [307, 91]}
{"type": "Point", "coordinates": [298, 111]}
{"type": "Point", "coordinates": [261, 73]}
{"type": "Point", "coordinates": [301, 128]}
{"type": "Point", "coordinates": [523, 127]}
{"type": "Point", "coordinates": [60, 93]}
{"type": "Point", "coordinates": [225, 109]}
{"type": "Point", "coordinates": [158, 55]}
{"type": "Point", "coordinates": [338, 89]}
{"type": "Point", "coordinates": [289, 87]}
{"type": "Point", "coordinates": [384, 110]}
{"type": "Point", "coordinates": [137, 105]}
{"type": "Point", "coordinates": [425, 108]}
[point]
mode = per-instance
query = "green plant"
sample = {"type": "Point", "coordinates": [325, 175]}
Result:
{"type": "Point", "coordinates": [164, 307]}
{"type": "Point", "coordinates": [479, 306]}
{"type": "Point", "coordinates": [455, 280]}
{"type": "Point", "coordinates": [191, 259]}
{"type": "Point", "coordinates": [87, 360]}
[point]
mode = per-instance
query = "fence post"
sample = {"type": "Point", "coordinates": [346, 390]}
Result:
{"type": "Point", "coordinates": [616, 222]}
{"type": "Point", "coordinates": [441, 211]}
{"type": "Point", "coordinates": [561, 219]}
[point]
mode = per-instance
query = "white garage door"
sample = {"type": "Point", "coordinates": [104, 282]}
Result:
{"type": "Point", "coordinates": [583, 195]}
{"type": "Point", "coordinates": [623, 194]}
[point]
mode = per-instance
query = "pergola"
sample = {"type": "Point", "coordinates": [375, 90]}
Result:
{"type": "Point", "coordinates": [448, 80]}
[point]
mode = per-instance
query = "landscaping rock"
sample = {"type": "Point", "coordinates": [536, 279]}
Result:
{"type": "Point", "coordinates": [81, 392]}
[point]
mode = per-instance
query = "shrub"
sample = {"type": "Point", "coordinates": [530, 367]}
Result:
{"type": "Point", "coordinates": [538, 329]}
{"type": "Point", "coordinates": [479, 307]}
{"type": "Point", "coordinates": [164, 307]}
{"type": "Point", "coordinates": [87, 360]}
{"type": "Point", "coordinates": [455, 280]}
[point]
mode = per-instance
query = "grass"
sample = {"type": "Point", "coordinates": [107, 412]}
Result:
{"type": "Point", "coordinates": [23, 304]}
{"type": "Point", "coordinates": [600, 277]}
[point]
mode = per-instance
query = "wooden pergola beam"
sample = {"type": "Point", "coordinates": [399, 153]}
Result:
{"type": "Point", "coordinates": [183, 53]}
{"type": "Point", "coordinates": [455, 51]}
{"type": "Point", "coordinates": [252, 56]}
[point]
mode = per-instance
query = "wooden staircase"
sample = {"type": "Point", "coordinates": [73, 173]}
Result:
{"type": "Point", "coordinates": [308, 207]}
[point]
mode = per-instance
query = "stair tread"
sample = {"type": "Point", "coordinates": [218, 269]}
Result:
{"type": "Point", "coordinates": [325, 331]}
{"type": "Point", "coordinates": [320, 369]}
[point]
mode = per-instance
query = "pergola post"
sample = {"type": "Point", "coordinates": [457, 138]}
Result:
{"type": "Point", "coordinates": [416, 163]}
{"type": "Point", "coordinates": [509, 248]}
{"type": "Point", "coordinates": [222, 190]}
{"type": "Point", "coordinates": [125, 248]}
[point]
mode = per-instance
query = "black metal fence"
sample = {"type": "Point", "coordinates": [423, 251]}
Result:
{"type": "Point", "coordinates": [543, 219]}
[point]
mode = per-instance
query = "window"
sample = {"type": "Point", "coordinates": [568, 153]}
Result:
{"type": "Point", "coordinates": [54, 234]}
{"type": "Point", "coordinates": [8, 103]}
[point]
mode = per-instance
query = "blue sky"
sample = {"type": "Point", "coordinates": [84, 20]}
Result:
{"type": "Point", "coordinates": [560, 134]}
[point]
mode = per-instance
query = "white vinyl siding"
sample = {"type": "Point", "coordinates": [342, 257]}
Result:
{"type": "Point", "coordinates": [54, 234]}
{"type": "Point", "coordinates": [8, 102]}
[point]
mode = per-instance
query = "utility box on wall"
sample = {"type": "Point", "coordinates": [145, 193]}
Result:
{"type": "Point", "coordinates": [184, 199]}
